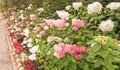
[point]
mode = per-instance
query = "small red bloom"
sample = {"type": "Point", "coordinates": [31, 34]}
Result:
{"type": "Point", "coordinates": [29, 65]}
{"type": "Point", "coordinates": [18, 47]}
{"type": "Point", "coordinates": [12, 35]}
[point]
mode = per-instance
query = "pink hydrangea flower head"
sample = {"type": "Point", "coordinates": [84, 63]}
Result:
{"type": "Point", "coordinates": [77, 23]}
{"type": "Point", "coordinates": [75, 49]}
{"type": "Point", "coordinates": [59, 50]}
{"type": "Point", "coordinates": [78, 56]}
{"type": "Point", "coordinates": [60, 24]}
{"type": "Point", "coordinates": [49, 22]}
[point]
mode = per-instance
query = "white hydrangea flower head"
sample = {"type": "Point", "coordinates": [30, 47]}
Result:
{"type": "Point", "coordinates": [95, 7]}
{"type": "Point", "coordinates": [107, 25]}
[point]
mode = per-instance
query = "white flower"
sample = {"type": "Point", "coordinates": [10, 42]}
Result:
{"type": "Point", "coordinates": [113, 5]}
{"type": "Point", "coordinates": [26, 32]}
{"type": "Point", "coordinates": [63, 14]}
{"type": "Point", "coordinates": [29, 45]}
{"type": "Point", "coordinates": [30, 6]}
{"type": "Point", "coordinates": [95, 7]}
{"type": "Point", "coordinates": [32, 57]}
{"type": "Point", "coordinates": [68, 7]}
{"type": "Point", "coordinates": [77, 5]}
{"type": "Point", "coordinates": [21, 11]}
{"type": "Point", "coordinates": [12, 31]}
{"type": "Point", "coordinates": [34, 49]}
{"type": "Point", "coordinates": [107, 25]}
{"type": "Point", "coordinates": [30, 40]}
{"type": "Point", "coordinates": [46, 27]}
{"type": "Point", "coordinates": [24, 42]}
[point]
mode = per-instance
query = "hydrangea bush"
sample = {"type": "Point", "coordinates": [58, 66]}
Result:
{"type": "Point", "coordinates": [79, 38]}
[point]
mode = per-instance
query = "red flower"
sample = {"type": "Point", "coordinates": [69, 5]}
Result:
{"type": "Point", "coordinates": [16, 44]}
{"type": "Point", "coordinates": [18, 47]}
{"type": "Point", "coordinates": [12, 35]}
{"type": "Point", "coordinates": [29, 65]}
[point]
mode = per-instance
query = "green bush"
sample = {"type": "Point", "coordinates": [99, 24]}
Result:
{"type": "Point", "coordinates": [53, 5]}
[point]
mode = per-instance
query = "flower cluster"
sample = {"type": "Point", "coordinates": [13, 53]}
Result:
{"type": "Point", "coordinates": [61, 49]}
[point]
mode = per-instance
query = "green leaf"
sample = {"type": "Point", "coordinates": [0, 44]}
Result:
{"type": "Point", "coordinates": [95, 48]}
{"type": "Point", "coordinates": [116, 59]}
{"type": "Point", "coordinates": [104, 53]}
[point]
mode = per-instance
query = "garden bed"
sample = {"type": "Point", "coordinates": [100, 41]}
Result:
{"type": "Point", "coordinates": [76, 38]}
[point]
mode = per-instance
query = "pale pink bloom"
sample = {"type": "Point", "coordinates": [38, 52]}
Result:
{"type": "Point", "coordinates": [32, 16]}
{"type": "Point", "coordinates": [59, 50]}
{"type": "Point", "coordinates": [28, 25]}
{"type": "Point", "coordinates": [63, 14]}
{"type": "Point", "coordinates": [18, 29]}
{"type": "Point", "coordinates": [22, 33]}
{"type": "Point", "coordinates": [50, 38]}
{"type": "Point", "coordinates": [49, 22]}
{"type": "Point", "coordinates": [77, 23]}
{"type": "Point", "coordinates": [18, 33]}
{"type": "Point", "coordinates": [31, 23]}
{"type": "Point", "coordinates": [42, 24]}
{"type": "Point", "coordinates": [78, 56]}
{"type": "Point", "coordinates": [17, 25]}
{"type": "Point", "coordinates": [77, 5]}
{"type": "Point", "coordinates": [39, 36]}
{"type": "Point", "coordinates": [36, 28]}
{"type": "Point", "coordinates": [43, 33]}
{"type": "Point", "coordinates": [25, 39]}
{"type": "Point", "coordinates": [60, 24]}
{"type": "Point", "coordinates": [41, 10]}
{"type": "Point", "coordinates": [58, 55]}
{"type": "Point", "coordinates": [21, 25]}
{"type": "Point", "coordinates": [84, 49]}
{"type": "Point", "coordinates": [75, 28]}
